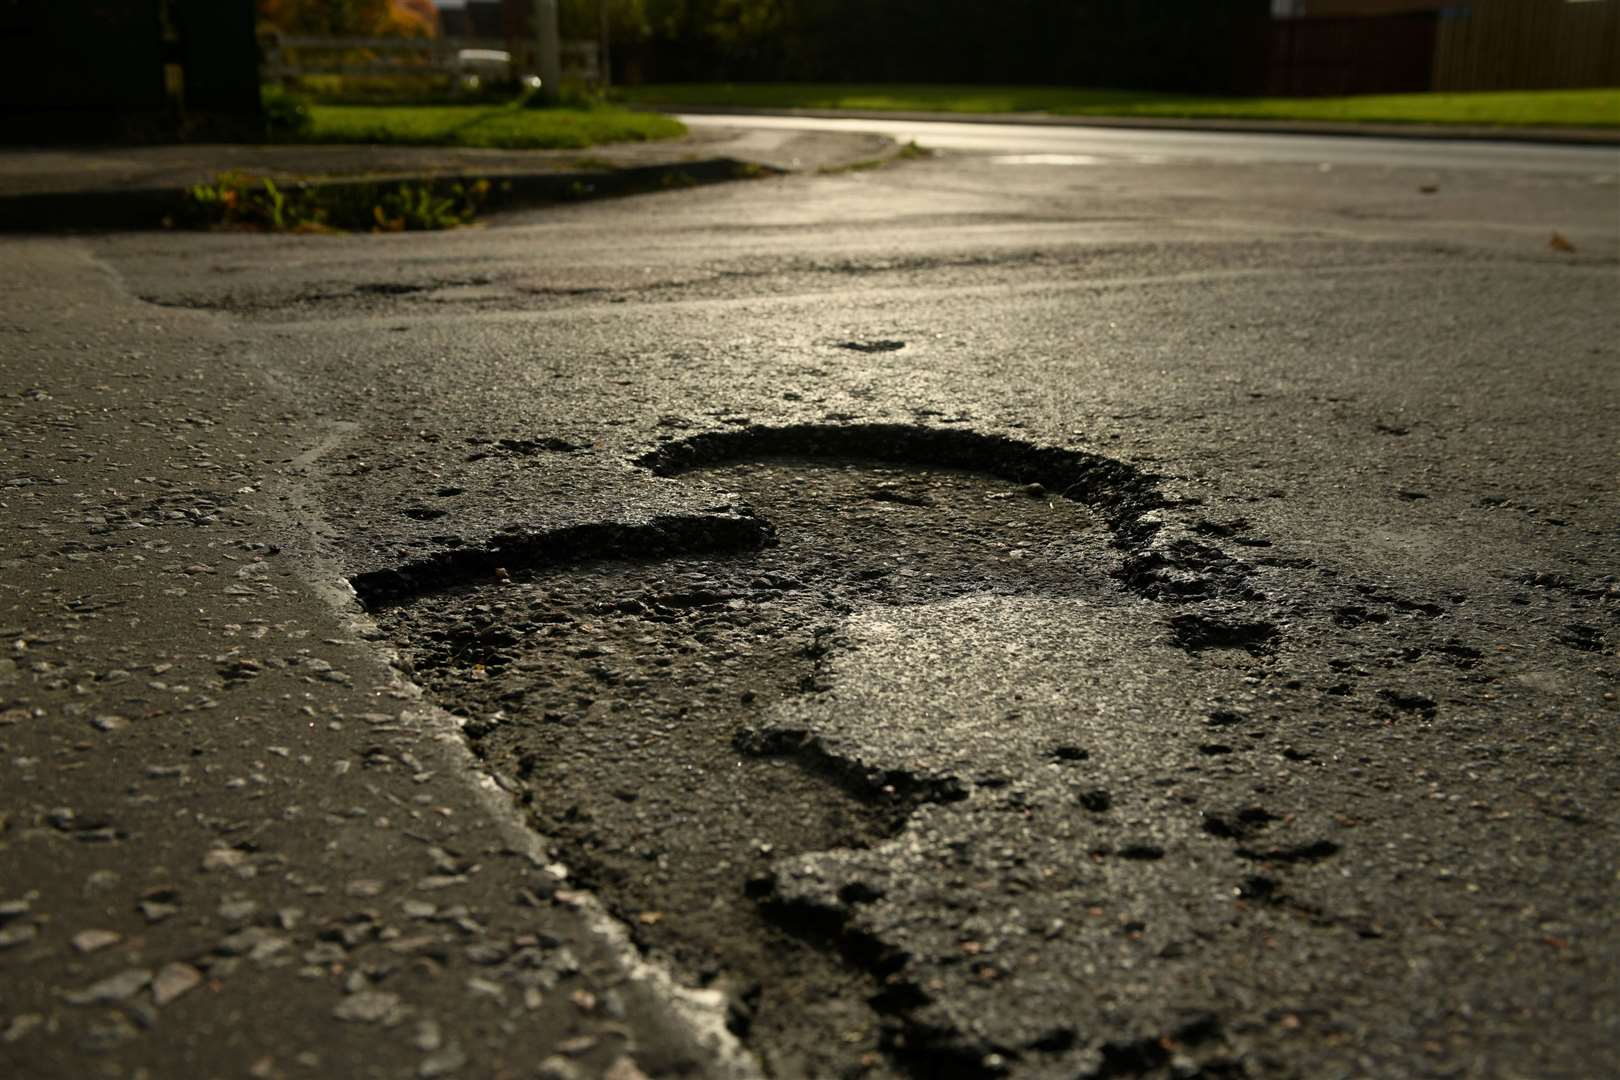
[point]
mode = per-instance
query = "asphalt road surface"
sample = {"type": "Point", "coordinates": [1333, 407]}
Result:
{"type": "Point", "coordinates": [993, 615]}
{"type": "Point", "coordinates": [1068, 144]}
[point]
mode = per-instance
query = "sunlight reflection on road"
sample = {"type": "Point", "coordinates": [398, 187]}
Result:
{"type": "Point", "coordinates": [1046, 137]}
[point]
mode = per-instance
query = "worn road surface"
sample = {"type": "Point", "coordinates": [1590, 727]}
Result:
{"type": "Point", "coordinates": [1027, 612]}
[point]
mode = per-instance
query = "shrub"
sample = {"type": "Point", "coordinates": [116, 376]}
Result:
{"type": "Point", "coordinates": [285, 115]}
{"type": "Point", "coordinates": [571, 94]}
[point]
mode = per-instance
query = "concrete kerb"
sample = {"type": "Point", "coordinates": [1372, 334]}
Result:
{"type": "Point", "coordinates": [152, 207]}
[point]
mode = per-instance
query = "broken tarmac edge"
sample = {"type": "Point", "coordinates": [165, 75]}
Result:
{"type": "Point", "coordinates": [695, 1020]}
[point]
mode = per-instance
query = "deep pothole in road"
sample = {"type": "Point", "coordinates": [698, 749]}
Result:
{"type": "Point", "coordinates": [623, 698]}
{"type": "Point", "coordinates": [622, 678]}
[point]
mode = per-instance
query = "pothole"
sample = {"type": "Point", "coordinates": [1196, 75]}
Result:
{"type": "Point", "coordinates": [684, 707]}
{"type": "Point", "coordinates": [622, 696]}
{"type": "Point", "coordinates": [879, 346]}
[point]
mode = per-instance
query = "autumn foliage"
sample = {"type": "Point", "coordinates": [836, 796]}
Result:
{"type": "Point", "coordinates": [351, 18]}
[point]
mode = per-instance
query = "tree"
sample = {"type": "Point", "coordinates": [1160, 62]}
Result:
{"type": "Point", "coordinates": [626, 19]}
{"type": "Point", "coordinates": [351, 18]}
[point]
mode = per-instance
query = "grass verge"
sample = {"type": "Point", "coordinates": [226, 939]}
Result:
{"type": "Point", "coordinates": [1527, 108]}
{"type": "Point", "coordinates": [506, 126]}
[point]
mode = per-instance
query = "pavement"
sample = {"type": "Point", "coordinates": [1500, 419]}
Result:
{"type": "Point", "coordinates": [1002, 614]}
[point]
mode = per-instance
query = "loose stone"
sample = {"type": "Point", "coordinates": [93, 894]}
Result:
{"type": "Point", "coordinates": [88, 941]}
{"type": "Point", "coordinates": [113, 989]}
{"type": "Point", "coordinates": [558, 1067]}
{"type": "Point", "coordinates": [428, 1037]}
{"type": "Point", "coordinates": [175, 979]}
{"type": "Point", "coordinates": [367, 1007]}
{"type": "Point", "coordinates": [12, 936]}
{"type": "Point", "coordinates": [442, 1062]}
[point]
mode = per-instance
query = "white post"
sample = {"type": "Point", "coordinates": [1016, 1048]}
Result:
{"type": "Point", "coordinates": [548, 53]}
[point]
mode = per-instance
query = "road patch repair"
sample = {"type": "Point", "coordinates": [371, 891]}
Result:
{"type": "Point", "coordinates": [943, 754]}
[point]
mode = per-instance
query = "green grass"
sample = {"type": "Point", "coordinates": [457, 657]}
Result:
{"type": "Point", "coordinates": [1529, 108]}
{"type": "Point", "coordinates": [969, 99]}
{"type": "Point", "coordinates": [506, 126]}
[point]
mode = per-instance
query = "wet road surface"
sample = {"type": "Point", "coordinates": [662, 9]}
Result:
{"type": "Point", "coordinates": [1080, 145]}
{"type": "Point", "coordinates": [1161, 617]}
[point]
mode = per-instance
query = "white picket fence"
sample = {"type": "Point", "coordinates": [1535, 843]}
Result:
{"type": "Point", "coordinates": [289, 56]}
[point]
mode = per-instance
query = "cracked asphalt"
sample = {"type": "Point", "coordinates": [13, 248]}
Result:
{"type": "Point", "coordinates": [975, 617]}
